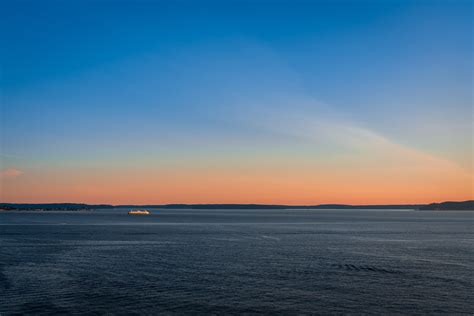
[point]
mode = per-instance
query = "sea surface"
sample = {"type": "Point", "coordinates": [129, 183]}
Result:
{"type": "Point", "coordinates": [237, 261]}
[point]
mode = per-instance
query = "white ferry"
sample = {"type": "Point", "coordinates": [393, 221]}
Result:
{"type": "Point", "coordinates": [139, 212]}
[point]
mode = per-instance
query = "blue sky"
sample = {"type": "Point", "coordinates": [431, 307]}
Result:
{"type": "Point", "coordinates": [109, 82]}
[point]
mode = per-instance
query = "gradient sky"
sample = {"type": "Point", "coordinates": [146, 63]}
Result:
{"type": "Point", "coordinates": [291, 102]}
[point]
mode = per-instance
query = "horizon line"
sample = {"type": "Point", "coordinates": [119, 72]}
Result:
{"type": "Point", "coordinates": [247, 204]}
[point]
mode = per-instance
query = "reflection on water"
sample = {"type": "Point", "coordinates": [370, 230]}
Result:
{"type": "Point", "coordinates": [237, 261]}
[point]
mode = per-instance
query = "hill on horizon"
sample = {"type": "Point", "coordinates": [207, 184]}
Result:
{"type": "Point", "coordinates": [448, 205]}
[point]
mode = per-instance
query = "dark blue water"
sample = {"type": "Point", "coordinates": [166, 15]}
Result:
{"type": "Point", "coordinates": [237, 261]}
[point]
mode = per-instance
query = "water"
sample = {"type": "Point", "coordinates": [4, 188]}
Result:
{"type": "Point", "coordinates": [237, 261]}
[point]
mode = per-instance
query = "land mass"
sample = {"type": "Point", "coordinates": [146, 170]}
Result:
{"type": "Point", "coordinates": [448, 206]}
{"type": "Point", "coordinates": [463, 205]}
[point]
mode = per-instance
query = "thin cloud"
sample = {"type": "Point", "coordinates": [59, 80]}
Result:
{"type": "Point", "coordinates": [320, 124]}
{"type": "Point", "coordinates": [10, 173]}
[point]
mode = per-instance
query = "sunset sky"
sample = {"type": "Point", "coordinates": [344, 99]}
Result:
{"type": "Point", "coordinates": [286, 102]}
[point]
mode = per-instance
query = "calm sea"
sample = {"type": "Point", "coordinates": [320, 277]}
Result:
{"type": "Point", "coordinates": [237, 261]}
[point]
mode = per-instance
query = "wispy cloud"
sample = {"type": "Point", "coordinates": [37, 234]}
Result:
{"type": "Point", "coordinates": [10, 173]}
{"type": "Point", "coordinates": [324, 127]}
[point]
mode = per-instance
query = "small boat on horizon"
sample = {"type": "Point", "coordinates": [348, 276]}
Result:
{"type": "Point", "coordinates": [139, 212]}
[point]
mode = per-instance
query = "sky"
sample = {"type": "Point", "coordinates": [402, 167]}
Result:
{"type": "Point", "coordinates": [277, 102]}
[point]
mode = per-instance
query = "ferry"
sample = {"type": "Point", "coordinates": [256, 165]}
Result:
{"type": "Point", "coordinates": [139, 212]}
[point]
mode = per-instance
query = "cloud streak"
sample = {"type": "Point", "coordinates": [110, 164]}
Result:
{"type": "Point", "coordinates": [10, 173]}
{"type": "Point", "coordinates": [320, 126]}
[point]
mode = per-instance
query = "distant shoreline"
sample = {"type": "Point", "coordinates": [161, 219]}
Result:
{"type": "Point", "coordinates": [444, 206]}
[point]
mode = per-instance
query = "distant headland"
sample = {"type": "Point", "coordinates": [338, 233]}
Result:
{"type": "Point", "coordinates": [443, 206]}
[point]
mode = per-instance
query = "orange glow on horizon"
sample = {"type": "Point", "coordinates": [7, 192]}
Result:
{"type": "Point", "coordinates": [293, 186]}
